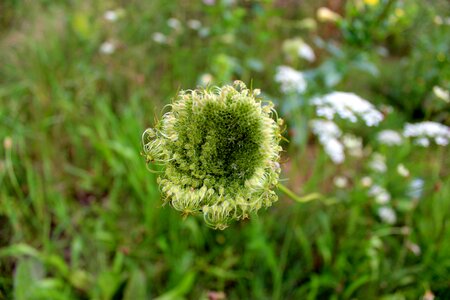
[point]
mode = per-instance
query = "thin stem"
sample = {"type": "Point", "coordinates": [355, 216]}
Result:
{"type": "Point", "coordinates": [293, 196]}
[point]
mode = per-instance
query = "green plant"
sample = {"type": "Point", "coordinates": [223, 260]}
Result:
{"type": "Point", "coordinates": [220, 151]}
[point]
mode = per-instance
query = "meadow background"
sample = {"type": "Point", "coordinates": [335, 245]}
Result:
{"type": "Point", "coordinates": [81, 217]}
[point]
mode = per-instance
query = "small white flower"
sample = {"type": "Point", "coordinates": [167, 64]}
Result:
{"type": "Point", "coordinates": [111, 15]}
{"type": "Point", "coordinates": [422, 141]}
{"type": "Point", "coordinates": [325, 129]}
{"type": "Point", "coordinates": [425, 131]}
{"type": "Point", "coordinates": [194, 24]}
{"type": "Point", "coordinates": [205, 79]}
{"type": "Point", "coordinates": [380, 194]}
{"type": "Point", "coordinates": [414, 248]}
{"type": "Point", "coordinates": [291, 80]}
{"type": "Point", "coordinates": [328, 133]}
{"type": "Point", "coordinates": [306, 52]}
{"type": "Point", "coordinates": [203, 32]}
{"type": "Point", "coordinates": [335, 150]}
{"type": "Point", "coordinates": [366, 181]}
{"type": "Point", "coordinates": [389, 137]}
{"type": "Point", "coordinates": [378, 163]}
{"type": "Point", "coordinates": [415, 189]}
{"type": "Point", "coordinates": [340, 181]}
{"type": "Point", "coordinates": [159, 38]}
{"type": "Point", "coordinates": [402, 170]}
{"type": "Point", "coordinates": [383, 198]}
{"type": "Point", "coordinates": [387, 215]}
{"type": "Point", "coordinates": [107, 48]}
{"type": "Point", "coordinates": [353, 144]}
{"type": "Point", "coordinates": [174, 23]}
{"type": "Point", "coordinates": [441, 93]}
{"type": "Point", "coordinates": [347, 106]}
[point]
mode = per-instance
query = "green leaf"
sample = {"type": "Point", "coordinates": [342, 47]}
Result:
{"type": "Point", "coordinates": [28, 272]}
{"type": "Point", "coordinates": [136, 287]}
{"type": "Point", "coordinates": [181, 289]}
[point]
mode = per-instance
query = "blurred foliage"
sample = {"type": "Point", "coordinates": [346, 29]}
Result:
{"type": "Point", "coordinates": [81, 217]}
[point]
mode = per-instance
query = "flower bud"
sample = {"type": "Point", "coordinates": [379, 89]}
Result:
{"type": "Point", "coordinates": [219, 147]}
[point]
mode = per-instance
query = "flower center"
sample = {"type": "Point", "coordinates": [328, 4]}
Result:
{"type": "Point", "coordinates": [219, 143]}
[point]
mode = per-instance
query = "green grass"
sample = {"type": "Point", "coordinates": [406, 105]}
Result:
{"type": "Point", "coordinates": [81, 217]}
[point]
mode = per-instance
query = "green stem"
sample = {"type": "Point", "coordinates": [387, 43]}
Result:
{"type": "Point", "coordinates": [293, 196]}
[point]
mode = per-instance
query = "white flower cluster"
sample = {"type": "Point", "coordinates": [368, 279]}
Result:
{"type": "Point", "coordinates": [107, 48]}
{"type": "Point", "coordinates": [296, 47]}
{"type": "Point", "coordinates": [114, 15]}
{"type": "Point", "coordinates": [425, 131]}
{"type": "Point", "coordinates": [328, 133]}
{"type": "Point", "coordinates": [353, 144]}
{"type": "Point", "coordinates": [441, 93]}
{"type": "Point", "coordinates": [291, 80]}
{"type": "Point", "coordinates": [387, 215]}
{"type": "Point", "coordinates": [415, 188]}
{"type": "Point", "coordinates": [380, 194]}
{"type": "Point", "coordinates": [390, 137]}
{"type": "Point", "coordinates": [347, 106]}
{"type": "Point", "coordinates": [378, 163]}
{"type": "Point", "coordinates": [306, 52]}
{"type": "Point", "coordinates": [382, 197]}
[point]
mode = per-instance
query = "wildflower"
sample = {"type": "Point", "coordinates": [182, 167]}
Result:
{"type": "Point", "coordinates": [324, 14]}
{"type": "Point", "coordinates": [415, 188]}
{"type": "Point", "coordinates": [306, 52]}
{"type": "Point", "coordinates": [441, 94]}
{"type": "Point", "coordinates": [113, 15]}
{"type": "Point", "coordinates": [110, 15]}
{"type": "Point", "coordinates": [205, 79]}
{"type": "Point", "coordinates": [414, 248]}
{"type": "Point", "coordinates": [366, 181]}
{"type": "Point", "coordinates": [371, 2]}
{"type": "Point", "coordinates": [425, 131]}
{"type": "Point", "coordinates": [353, 144]}
{"type": "Point", "coordinates": [107, 47]}
{"type": "Point", "coordinates": [194, 24]}
{"type": "Point", "coordinates": [159, 38]}
{"type": "Point", "coordinates": [328, 133]}
{"type": "Point", "coordinates": [389, 138]}
{"type": "Point", "coordinates": [204, 32]}
{"type": "Point", "coordinates": [292, 81]}
{"type": "Point", "coordinates": [347, 106]}
{"type": "Point", "coordinates": [219, 148]}
{"type": "Point", "coordinates": [378, 163]}
{"type": "Point", "coordinates": [387, 215]}
{"type": "Point", "coordinates": [174, 24]}
{"type": "Point", "coordinates": [340, 181]}
{"type": "Point", "coordinates": [380, 194]}
{"type": "Point", "coordinates": [297, 47]}
{"type": "Point", "coordinates": [402, 170]}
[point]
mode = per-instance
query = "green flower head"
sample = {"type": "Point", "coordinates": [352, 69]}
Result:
{"type": "Point", "coordinates": [220, 151]}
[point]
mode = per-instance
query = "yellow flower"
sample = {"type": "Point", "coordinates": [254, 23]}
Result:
{"type": "Point", "coordinates": [371, 2]}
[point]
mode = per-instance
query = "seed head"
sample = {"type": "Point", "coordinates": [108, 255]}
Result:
{"type": "Point", "coordinates": [220, 152]}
